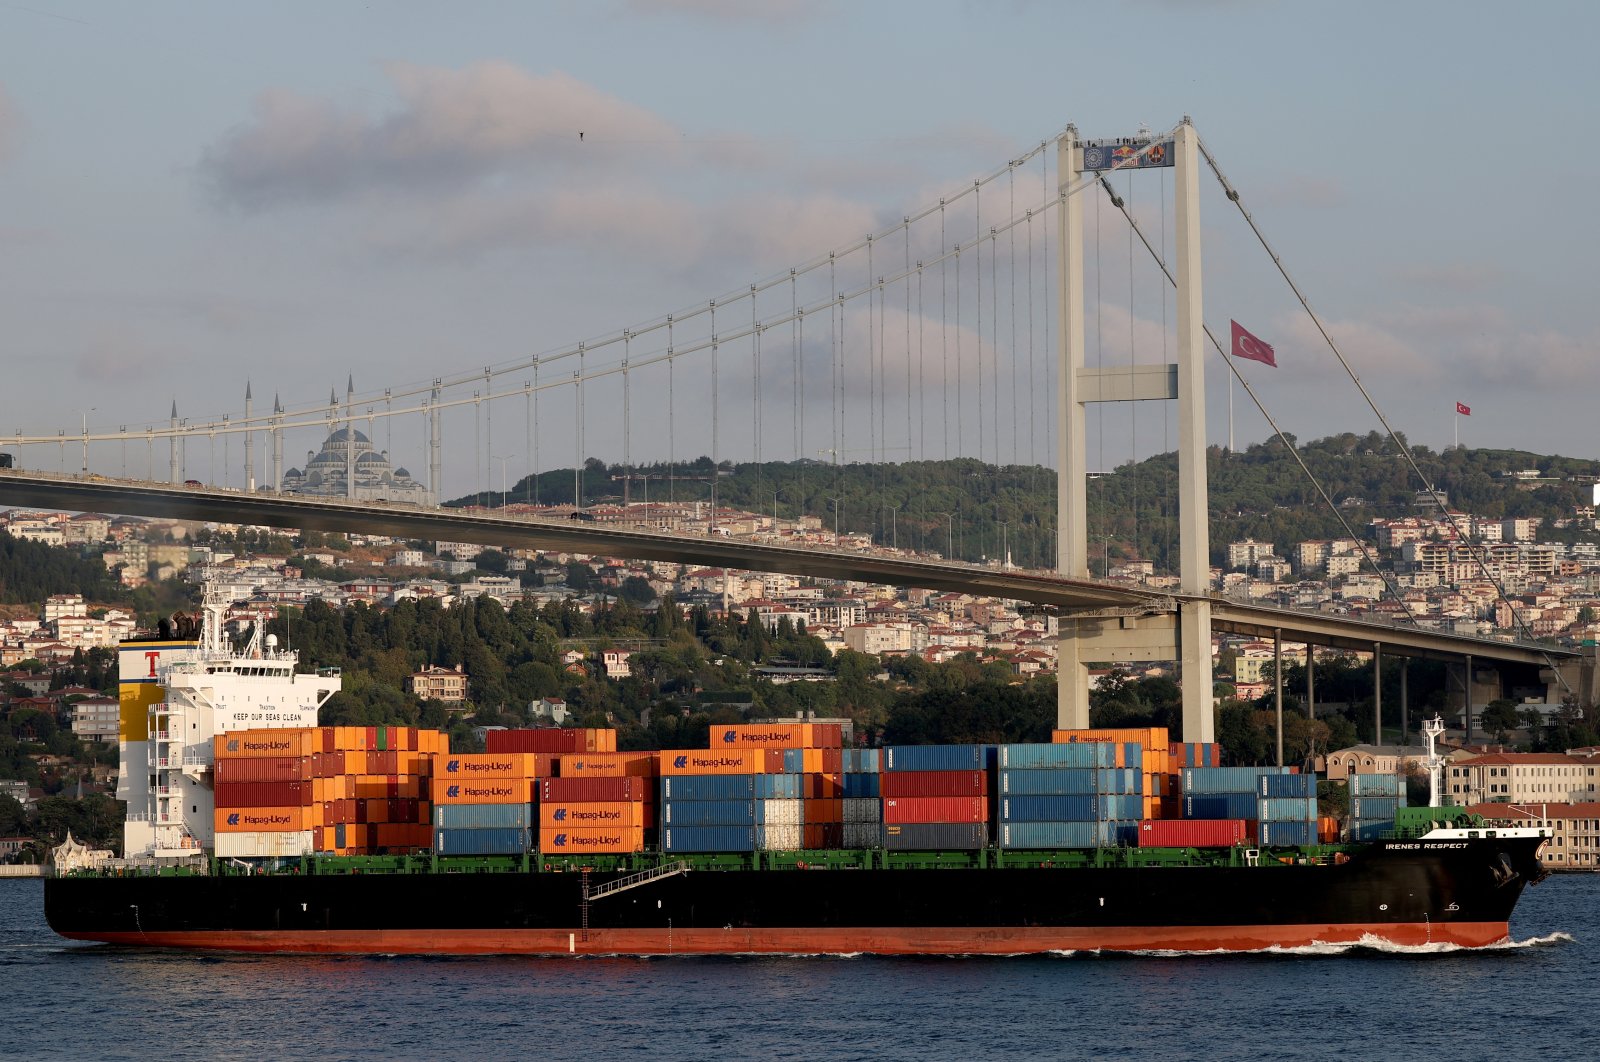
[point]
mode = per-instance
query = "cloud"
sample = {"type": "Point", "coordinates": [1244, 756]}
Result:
{"type": "Point", "coordinates": [10, 126]}
{"type": "Point", "coordinates": [455, 127]}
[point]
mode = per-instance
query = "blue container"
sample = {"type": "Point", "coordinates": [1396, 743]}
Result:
{"type": "Point", "coordinates": [1370, 831]}
{"type": "Point", "coordinates": [483, 816]}
{"type": "Point", "coordinates": [1069, 781]}
{"type": "Point", "coordinates": [1068, 808]}
{"type": "Point", "coordinates": [1204, 781]}
{"type": "Point", "coordinates": [1051, 757]}
{"type": "Point", "coordinates": [1286, 809]}
{"type": "Point", "coordinates": [500, 841]}
{"type": "Point", "coordinates": [934, 757]}
{"type": "Point", "coordinates": [861, 785]}
{"type": "Point", "coordinates": [1377, 785]}
{"type": "Point", "coordinates": [709, 813]}
{"type": "Point", "coordinates": [338, 835]}
{"type": "Point", "coordinates": [1286, 785]}
{"type": "Point", "coordinates": [1220, 806]}
{"type": "Point", "coordinates": [794, 761]}
{"type": "Point", "coordinates": [1284, 834]}
{"type": "Point", "coordinates": [733, 787]}
{"type": "Point", "coordinates": [708, 839]}
{"type": "Point", "coordinates": [1067, 834]}
{"type": "Point", "coordinates": [1369, 808]}
{"type": "Point", "coordinates": [861, 761]}
{"type": "Point", "coordinates": [935, 836]}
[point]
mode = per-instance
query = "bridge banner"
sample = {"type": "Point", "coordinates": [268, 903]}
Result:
{"type": "Point", "coordinates": [1125, 155]}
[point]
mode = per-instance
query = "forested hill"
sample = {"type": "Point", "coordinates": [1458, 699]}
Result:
{"type": "Point", "coordinates": [31, 571]}
{"type": "Point", "coordinates": [978, 508]}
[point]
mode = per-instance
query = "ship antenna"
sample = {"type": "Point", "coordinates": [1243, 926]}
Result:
{"type": "Point", "coordinates": [1431, 729]}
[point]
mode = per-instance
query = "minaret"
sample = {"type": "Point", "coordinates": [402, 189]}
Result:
{"type": "Point", "coordinates": [350, 439]}
{"type": "Point", "coordinates": [249, 444]}
{"type": "Point", "coordinates": [172, 443]}
{"type": "Point", "coordinates": [277, 444]}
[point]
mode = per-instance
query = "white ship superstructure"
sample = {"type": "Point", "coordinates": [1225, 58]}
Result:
{"type": "Point", "coordinates": [176, 696]}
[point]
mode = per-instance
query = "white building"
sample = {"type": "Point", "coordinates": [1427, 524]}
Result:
{"type": "Point", "coordinates": [1522, 778]}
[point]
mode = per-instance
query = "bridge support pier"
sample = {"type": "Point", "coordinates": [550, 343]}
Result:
{"type": "Point", "coordinates": [1128, 636]}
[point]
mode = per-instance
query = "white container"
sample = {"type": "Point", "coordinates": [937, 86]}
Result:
{"type": "Point", "coordinates": [264, 844]}
{"type": "Point", "coordinates": [863, 809]}
{"type": "Point", "coordinates": [780, 838]}
{"type": "Point", "coordinates": [863, 835]}
{"type": "Point", "coordinates": [780, 812]}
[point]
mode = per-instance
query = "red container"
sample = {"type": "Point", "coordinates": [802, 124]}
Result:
{"type": "Point", "coordinates": [1191, 833]}
{"type": "Point", "coordinates": [935, 809]}
{"type": "Point", "coordinates": [556, 742]}
{"type": "Point", "coordinates": [824, 835]}
{"type": "Point", "coordinates": [262, 794]}
{"type": "Point", "coordinates": [264, 769]}
{"type": "Point", "coordinates": [592, 790]}
{"type": "Point", "coordinates": [933, 784]}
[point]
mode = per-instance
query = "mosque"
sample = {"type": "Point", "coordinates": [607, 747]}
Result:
{"type": "Point", "coordinates": [375, 478]}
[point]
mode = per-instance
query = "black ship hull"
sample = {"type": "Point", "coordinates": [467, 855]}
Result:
{"type": "Point", "coordinates": [1403, 892]}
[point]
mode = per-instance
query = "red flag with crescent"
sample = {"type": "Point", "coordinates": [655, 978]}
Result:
{"type": "Point", "coordinates": [1465, 411]}
{"type": "Point", "coordinates": [1250, 348]}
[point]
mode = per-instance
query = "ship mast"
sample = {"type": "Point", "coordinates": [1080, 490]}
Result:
{"type": "Point", "coordinates": [1431, 729]}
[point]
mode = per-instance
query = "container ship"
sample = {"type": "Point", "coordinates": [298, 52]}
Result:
{"type": "Point", "coordinates": [252, 829]}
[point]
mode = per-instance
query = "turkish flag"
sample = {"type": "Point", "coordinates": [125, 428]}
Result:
{"type": "Point", "coordinates": [1465, 411]}
{"type": "Point", "coordinates": [1250, 348]}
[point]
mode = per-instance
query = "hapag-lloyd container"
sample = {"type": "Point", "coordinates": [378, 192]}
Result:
{"type": "Point", "coordinates": [934, 758]}
{"type": "Point", "coordinates": [589, 788]}
{"type": "Point", "coordinates": [483, 816]}
{"type": "Point", "coordinates": [1069, 781]}
{"type": "Point", "coordinates": [1056, 756]}
{"type": "Point", "coordinates": [1191, 833]}
{"type": "Point", "coordinates": [475, 767]}
{"type": "Point", "coordinates": [607, 765]}
{"type": "Point", "coordinates": [613, 815]}
{"type": "Point", "coordinates": [935, 809]}
{"type": "Point", "coordinates": [934, 836]}
{"type": "Point", "coordinates": [933, 783]}
{"type": "Point", "coordinates": [241, 744]}
{"type": "Point", "coordinates": [733, 787]}
{"type": "Point", "coordinates": [590, 839]}
{"type": "Point", "coordinates": [480, 841]}
{"type": "Point", "coordinates": [674, 762]}
{"type": "Point", "coordinates": [258, 820]}
{"type": "Point", "coordinates": [490, 791]}
{"type": "Point", "coordinates": [777, 736]}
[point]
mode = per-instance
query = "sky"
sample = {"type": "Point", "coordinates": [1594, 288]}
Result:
{"type": "Point", "coordinates": [195, 196]}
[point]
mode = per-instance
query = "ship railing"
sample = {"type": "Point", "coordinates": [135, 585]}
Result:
{"type": "Point", "coordinates": [633, 881]}
{"type": "Point", "coordinates": [198, 756]}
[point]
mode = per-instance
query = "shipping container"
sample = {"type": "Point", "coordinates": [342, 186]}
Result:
{"type": "Point", "coordinates": [1069, 780]}
{"type": "Point", "coordinates": [780, 838]}
{"type": "Point", "coordinates": [819, 812]}
{"type": "Point", "coordinates": [824, 835]}
{"type": "Point", "coordinates": [478, 766]}
{"type": "Point", "coordinates": [263, 769]}
{"type": "Point", "coordinates": [673, 762]}
{"type": "Point", "coordinates": [483, 816]}
{"type": "Point", "coordinates": [732, 812]}
{"type": "Point", "coordinates": [776, 736]}
{"type": "Point", "coordinates": [862, 809]}
{"type": "Point", "coordinates": [1067, 834]}
{"type": "Point", "coordinates": [935, 836]}
{"type": "Point", "coordinates": [1056, 756]}
{"type": "Point", "coordinates": [1377, 785]}
{"type": "Point", "coordinates": [248, 820]}
{"type": "Point", "coordinates": [1219, 806]}
{"type": "Point", "coordinates": [935, 758]}
{"type": "Point", "coordinates": [607, 815]}
{"type": "Point", "coordinates": [480, 842]}
{"type": "Point", "coordinates": [1286, 785]}
{"type": "Point", "coordinates": [1146, 737]}
{"type": "Point", "coordinates": [607, 765]}
{"type": "Point", "coordinates": [708, 838]}
{"type": "Point", "coordinates": [1069, 808]}
{"type": "Point", "coordinates": [861, 761]}
{"type": "Point", "coordinates": [933, 783]}
{"type": "Point", "coordinates": [1286, 833]}
{"type": "Point", "coordinates": [484, 791]}
{"type": "Point", "coordinates": [935, 809]}
{"type": "Point", "coordinates": [1194, 754]}
{"type": "Point", "coordinates": [1374, 808]}
{"type": "Point", "coordinates": [589, 788]}
{"type": "Point", "coordinates": [262, 794]}
{"type": "Point", "coordinates": [1192, 833]}
{"type": "Point", "coordinates": [867, 834]}
{"type": "Point", "coordinates": [240, 744]}
{"type": "Point", "coordinates": [822, 786]}
{"type": "Point", "coordinates": [604, 840]}
{"type": "Point", "coordinates": [559, 742]}
{"type": "Point", "coordinates": [1204, 781]}
{"type": "Point", "coordinates": [733, 787]}
{"type": "Point", "coordinates": [1370, 831]}
{"type": "Point", "coordinates": [264, 844]}
{"type": "Point", "coordinates": [1286, 809]}
{"type": "Point", "coordinates": [856, 786]}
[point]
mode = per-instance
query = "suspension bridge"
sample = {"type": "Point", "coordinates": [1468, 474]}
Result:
{"type": "Point", "coordinates": [960, 331]}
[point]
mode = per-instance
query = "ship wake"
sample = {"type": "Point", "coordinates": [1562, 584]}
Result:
{"type": "Point", "coordinates": [1368, 944]}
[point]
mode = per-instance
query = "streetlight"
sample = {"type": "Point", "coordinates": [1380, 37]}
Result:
{"type": "Point", "coordinates": [894, 527]}
{"type": "Point", "coordinates": [86, 413]}
{"type": "Point", "coordinates": [502, 460]}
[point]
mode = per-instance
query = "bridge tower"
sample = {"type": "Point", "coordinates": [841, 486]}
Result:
{"type": "Point", "coordinates": [1182, 634]}
{"type": "Point", "coordinates": [249, 443]}
{"type": "Point", "coordinates": [172, 444]}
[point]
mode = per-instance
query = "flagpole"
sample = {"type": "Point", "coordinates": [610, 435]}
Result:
{"type": "Point", "coordinates": [1457, 422]}
{"type": "Point", "coordinates": [1230, 412]}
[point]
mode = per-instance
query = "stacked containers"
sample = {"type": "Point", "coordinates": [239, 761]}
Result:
{"type": "Point", "coordinates": [550, 741]}
{"type": "Point", "coordinates": [736, 801]}
{"type": "Point", "coordinates": [822, 790]}
{"type": "Point", "coordinates": [1224, 792]}
{"type": "Point", "coordinates": [483, 803]}
{"type": "Point", "coordinates": [861, 804]}
{"type": "Point", "coordinates": [1286, 811]}
{"type": "Point", "coordinates": [338, 790]}
{"type": "Point", "coordinates": [935, 797]}
{"type": "Point", "coordinates": [1156, 763]}
{"type": "Point", "coordinates": [604, 802]}
{"type": "Point", "coordinates": [1069, 795]}
{"type": "Point", "coordinates": [1374, 800]}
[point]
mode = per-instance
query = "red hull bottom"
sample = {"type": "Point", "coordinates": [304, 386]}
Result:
{"type": "Point", "coordinates": [915, 941]}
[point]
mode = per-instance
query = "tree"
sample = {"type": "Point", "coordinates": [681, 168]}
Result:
{"type": "Point", "coordinates": [1500, 716]}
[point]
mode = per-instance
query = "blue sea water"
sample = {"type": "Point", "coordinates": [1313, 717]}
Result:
{"type": "Point", "coordinates": [1532, 999]}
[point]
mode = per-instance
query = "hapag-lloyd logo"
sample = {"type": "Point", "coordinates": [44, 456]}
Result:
{"type": "Point", "coordinates": [492, 767]}
{"type": "Point", "coordinates": [762, 737]}
{"type": "Point", "coordinates": [579, 840]}
{"type": "Point", "coordinates": [265, 745]}
{"type": "Point", "coordinates": [260, 821]}
{"type": "Point", "coordinates": [589, 814]}
{"type": "Point", "coordinates": [479, 792]}
{"type": "Point", "coordinates": [706, 762]}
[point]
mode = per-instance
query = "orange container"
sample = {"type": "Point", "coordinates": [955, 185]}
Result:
{"type": "Point", "coordinates": [247, 744]}
{"type": "Point", "coordinates": [1148, 737]}
{"type": "Point", "coordinates": [481, 791]}
{"type": "Point", "coordinates": [396, 835]}
{"type": "Point", "coordinates": [607, 765]}
{"type": "Point", "coordinates": [608, 815]}
{"type": "Point", "coordinates": [698, 761]}
{"type": "Point", "coordinates": [775, 736]}
{"type": "Point", "coordinates": [823, 811]}
{"type": "Point", "coordinates": [249, 820]}
{"type": "Point", "coordinates": [558, 841]}
{"type": "Point", "coordinates": [480, 765]}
